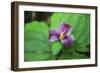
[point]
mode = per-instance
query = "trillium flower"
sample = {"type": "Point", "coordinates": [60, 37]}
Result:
{"type": "Point", "coordinates": [63, 34]}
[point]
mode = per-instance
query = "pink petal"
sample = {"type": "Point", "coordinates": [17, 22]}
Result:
{"type": "Point", "coordinates": [68, 40]}
{"type": "Point", "coordinates": [53, 32]}
{"type": "Point", "coordinates": [64, 28]}
{"type": "Point", "coordinates": [53, 38]}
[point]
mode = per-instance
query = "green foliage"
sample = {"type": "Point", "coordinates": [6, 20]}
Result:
{"type": "Point", "coordinates": [37, 46]}
{"type": "Point", "coordinates": [80, 24]}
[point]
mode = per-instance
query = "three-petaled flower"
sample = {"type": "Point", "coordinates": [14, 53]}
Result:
{"type": "Point", "coordinates": [63, 34]}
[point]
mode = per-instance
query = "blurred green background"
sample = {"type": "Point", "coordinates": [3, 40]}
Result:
{"type": "Point", "coordinates": [36, 30]}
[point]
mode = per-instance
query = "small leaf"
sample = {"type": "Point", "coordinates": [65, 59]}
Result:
{"type": "Point", "coordinates": [56, 47]}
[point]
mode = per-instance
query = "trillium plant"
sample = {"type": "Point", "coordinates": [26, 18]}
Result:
{"type": "Point", "coordinates": [62, 34]}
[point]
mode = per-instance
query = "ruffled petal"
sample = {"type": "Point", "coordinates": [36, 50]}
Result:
{"type": "Point", "coordinates": [64, 28]}
{"type": "Point", "coordinates": [53, 38]}
{"type": "Point", "coordinates": [53, 35]}
{"type": "Point", "coordinates": [53, 32]}
{"type": "Point", "coordinates": [68, 40]}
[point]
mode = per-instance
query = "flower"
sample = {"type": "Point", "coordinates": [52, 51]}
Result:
{"type": "Point", "coordinates": [63, 34]}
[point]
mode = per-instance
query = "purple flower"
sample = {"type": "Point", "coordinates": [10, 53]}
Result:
{"type": "Point", "coordinates": [63, 34]}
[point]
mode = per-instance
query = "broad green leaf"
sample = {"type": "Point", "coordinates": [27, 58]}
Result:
{"type": "Point", "coordinates": [56, 47]}
{"type": "Point", "coordinates": [36, 41]}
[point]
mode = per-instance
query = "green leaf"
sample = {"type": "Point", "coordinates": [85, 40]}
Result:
{"type": "Point", "coordinates": [56, 47]}
{"type": "Point", "coordinates": [36, 45]}
{"type": "Point", "coordinates": [80, 24]}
